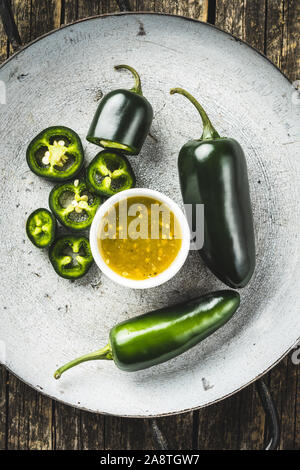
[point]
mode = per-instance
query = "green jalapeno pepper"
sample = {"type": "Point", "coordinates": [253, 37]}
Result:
{"type": "Point", "coordinates": [123, 118]}
{"type": "Point", "coordinates": [41, 228]}
{"type": "Point", "coordinates": [213, 172]}
{"type": "Point", "coordinates": [73, 204]}
{"type": "Point", "coordinates": [56, 154]}
{"type": "Point", "coordinates": [158, 336]}
{"type": "Point", "coordinates": [109, 172]}
{"type": "Point", "coordinates": [71, 256]}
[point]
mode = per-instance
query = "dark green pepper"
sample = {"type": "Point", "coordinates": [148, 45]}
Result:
{"type": "Point", "coordinates": [213, 172]}
{"type": "Point", "coordinates": [158, 336]}
{"type": "Point", "coordinates": [73, 204]}
{"type": "Point", "coordinates": [109, 172]}
{"type": "Point", "coordinates": [123, 118]}
{"type": "Point", "coordinates": [41, 228]}
{"type": "Point", "coordinates": [56, 154]}
{"type": "Point", "coordinates": [71, 256]}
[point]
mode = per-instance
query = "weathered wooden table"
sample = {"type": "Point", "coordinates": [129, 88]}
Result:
{"type": "Point", "coordinates": [29, 420]}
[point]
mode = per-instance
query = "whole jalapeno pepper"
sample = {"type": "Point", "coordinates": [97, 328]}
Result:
{"type": "Point", "coordinates": [56, 154]}
{"type": "Point", "coordinates": [71, 256]}
{"type": "Point", "coordinates": [73, 204]}
{"type": "Point", "coordinates": [41, 228]}
{"type": "Point", "coordinates": [158, 336]}
{"type": "Point", "coordinates": [123, 118]}
{"type": "Point", "coordinates": [108, 173]}
{"type": "Point", "coordinates": [213, 172]}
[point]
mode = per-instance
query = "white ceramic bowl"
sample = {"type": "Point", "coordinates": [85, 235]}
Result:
{"type": "Point", "coordinates": [176, 264]}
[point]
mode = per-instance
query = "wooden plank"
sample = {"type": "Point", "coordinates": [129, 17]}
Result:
{"type": "Point", "coordinates": [91, 431]}
{"type": "Point", "coordinates": [45, 16]}
{"type": "Point", "coordinates": [189, 8]}
{"type": "Point", "coordinates": [245, 19]}
{"type": "Point", "coordinates": [74, 9]}
{"type": "Point", "coordinates": [66, 427]}
{"type": "Point", "coordinates": [3, 406]}
{"type": "Point", "coordinates": [284, 383]}
{"type": "Point", "coordinates": [296, 411]}
{"type": "Point", "coordinates": [124, 433]}
{"type": "Point", "coordinates": [218, 427]}
{"type": "Point", "coordinates": [178, 430]}
{"type": "Point", "coordinates": [274, 31]}
{"type": "Point", "coordinates": [146, 5]}
{"type": "Point", "coordinates": [4, 46]}
{"type": "Point", "coordinates": [283, 30]}
{"type": "Point", "coordinates": [88, 8]}
{"type": "Point", "coordinates": [70, 12]}
{"type": "Point", "coordinates": [193, 9]}
{"type": "Point", "coordinates": [134, 434]}
{"type": "Point", "coordinates": [29, 418]}
{"type": "Point", "coordinates": [22, 14]}
{"type": "Point", "coordinates": [291, 43]}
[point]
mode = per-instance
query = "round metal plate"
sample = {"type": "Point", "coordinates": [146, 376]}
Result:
{"type": "Point", "coordinates": [47, 320]}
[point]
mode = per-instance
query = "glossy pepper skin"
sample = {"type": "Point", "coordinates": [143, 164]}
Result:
{"type": "Point", "coordinates": [62, 261]}
{"type": "Point", "coordinates": [109, 172]}
{"type": "Point", "coordinates": [213, 172]}
{"type": "Point", "coordinates": [41, 228]}
{"type": "Point", "coordinates": [123, 118]}
{"type": "Point", "coordinates": [73, 204]}
{"type": "Point", "coordinates": [156, 337]}
{"type": "Point", "coordinates": [56, 154]}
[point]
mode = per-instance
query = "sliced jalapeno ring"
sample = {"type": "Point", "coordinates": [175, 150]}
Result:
{"type": "Point", "coordinates": [41, 228]}
{"type": "Point", "coordinates": [109, 173]}
{"type": "Point", "coordinates": [56, 154]}
{"type": "Point", "coordinates": [71, 256]}
{"type": "Point", "coordinates": [73, 204]}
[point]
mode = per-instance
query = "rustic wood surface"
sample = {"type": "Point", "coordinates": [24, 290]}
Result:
{"type": "Point", "coordinates": [29, 420]}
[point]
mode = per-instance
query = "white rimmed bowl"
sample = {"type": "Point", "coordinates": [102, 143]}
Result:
{"type": "Point", "coordinates": [174, 266]}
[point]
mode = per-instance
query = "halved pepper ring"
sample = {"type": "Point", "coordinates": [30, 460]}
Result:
{"type": "Point", "coordinates": [73, 204]}
{"type": "Point", "coordinates": [41, 228]}
{"type": "Point", "coordinates": [71, 256]}
{"type": "Point", "coordinates": [109, 172]}
{"type": "Point", "coordinates": [56, 154]}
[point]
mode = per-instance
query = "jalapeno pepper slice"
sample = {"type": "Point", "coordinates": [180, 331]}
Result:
{"type": "Point", "coordinates": [71, 256]}
{"type": "Point", "coordinates": [56, 154]}
{"type": "Point", "coordinates": [41, 228]}
{"type": "Point", "coordinates": [73, 204]}
{"type": "Point", "coordinates": [109, 172]}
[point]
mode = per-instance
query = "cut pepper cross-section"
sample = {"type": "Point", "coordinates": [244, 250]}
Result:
{"type": "Point", "coordinates": [109, 172]}
{"type": "Point", "coordinates": [41, 227]}
{"type": "Point", "coordinates": [71, 256]}
{"type": "Point", "coordinates": [74, 205]}
{"type": "Point", "coordinates": [56, 154]}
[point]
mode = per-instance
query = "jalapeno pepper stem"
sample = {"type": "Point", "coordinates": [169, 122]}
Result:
{"type": "Point", "coordinates": [209, 132]}
{"type": "Point", "coordinates": [104, 353]}
{"type": "Point", "coordinates": [137, 85]}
